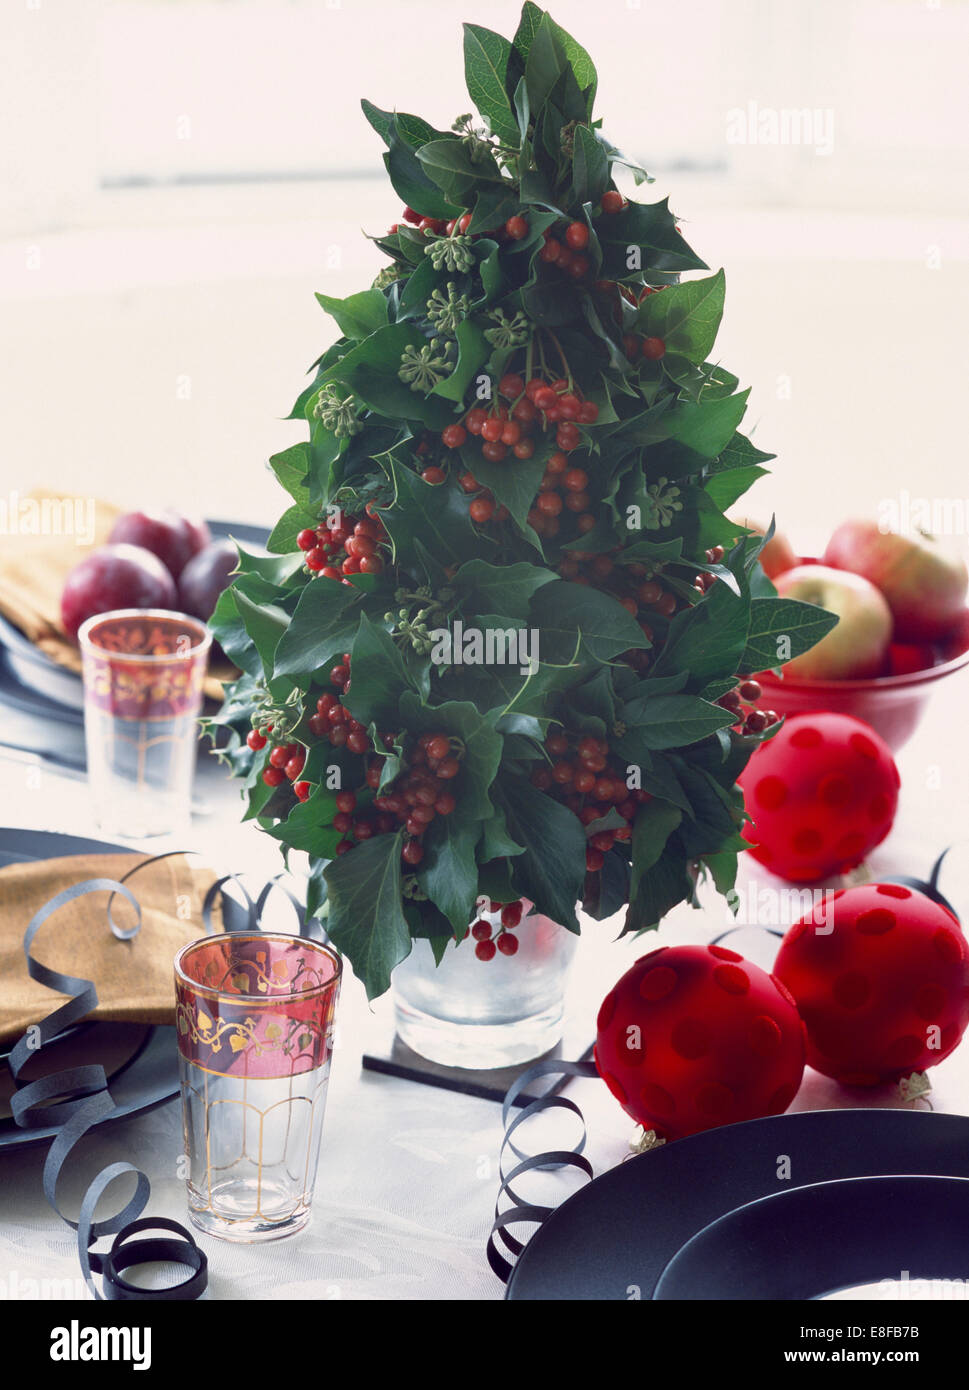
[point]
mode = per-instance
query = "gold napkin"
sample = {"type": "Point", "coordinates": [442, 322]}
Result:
{"type": "Point", "coordinates": [47, 534]}
{"type": "Point", "coordinates": [133, 978]}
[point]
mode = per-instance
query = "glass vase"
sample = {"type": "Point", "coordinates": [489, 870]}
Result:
{"type": "Point", "coordinates": [483, 1014]}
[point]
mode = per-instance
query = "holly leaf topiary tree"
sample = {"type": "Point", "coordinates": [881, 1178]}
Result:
{"type": "Point", "coordinates": [500, 645]}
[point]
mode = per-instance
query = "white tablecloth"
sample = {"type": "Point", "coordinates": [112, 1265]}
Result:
{"type": "Point", "coordinates": [408, 1175]}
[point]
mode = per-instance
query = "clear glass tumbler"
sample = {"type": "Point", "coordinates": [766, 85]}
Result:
{"type": "Point", "coordinates": [478, 1014]}
{"type": "Point", "coordinates": [143, 673]}
{"type": "Point", "coordinates": [254, 1018]}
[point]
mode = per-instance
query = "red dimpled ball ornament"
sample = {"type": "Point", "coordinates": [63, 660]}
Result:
{"type": "Point", "coordinates": [882, 983]}
{"type": "Point", "coordinates": [696, 1036]}
{"type": "Point", "coordinates": [821, 794]}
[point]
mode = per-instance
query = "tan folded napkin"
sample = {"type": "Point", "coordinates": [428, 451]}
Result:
{"type": "Point", "coordinates": [46, 535]}
{"type": "Point", "coordinates": [134, 978]}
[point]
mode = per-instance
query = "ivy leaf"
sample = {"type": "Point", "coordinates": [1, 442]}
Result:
{"type": "Point", "coordinates": [723, 489]}
{"type": "Point", "coordinates": [448, 873]}
{"type": "Point", "coordinates": [485, 70]}
{"type": "Point", "coordinates": [264, 622]}
{"type": "Point", "coordinates": [473, 350]}
{"type": "Point", "coordinates": [514, 484]}
{"type": "Point", "coordinates": [379, 675]}
{"type": "Point", "coordinates": [366, 921]}
{"type": "Point", "coordinates": [685, 316]}
{"type": "Point", "coordinates": [322, 627]}
{"type": "Point", "coordinates": [551, 868]}
{"type": "Point", "coordinates": [581, 64]}
{"type": "Point", "coordinates": [282, 538]}
{"type": "Point", "coordinates": [309, 825]}
{"type": "Point", "coordinates": [506, 589]}
{"type": "Point", "coordinates": [291, 468]}
{"type": "Point", "coordinates": [799, 625]}
{"type": "Point", "coordinates": [437, 515]}
{"type": "Point", "coordinates": [545, 61]}
{"type": "Point", "coordinates": [359, 315]}
{"type": "Point", "coordinates": [560, 609]}
{"type": "Point", "coordinates": [411, 181]}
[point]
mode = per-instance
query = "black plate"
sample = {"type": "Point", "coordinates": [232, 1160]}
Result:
{"type": "Point", "coordinates": [620, 1232]}
{"type": "Point", "coordinates": [151, 1077]}
{"type": "Point", "coordinates": [815, 1240]}
{"type": "Point", "coordinates": [30, 680]}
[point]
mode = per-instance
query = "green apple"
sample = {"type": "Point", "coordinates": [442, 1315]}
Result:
{"type": "Point", "coordinates": [858, 646]}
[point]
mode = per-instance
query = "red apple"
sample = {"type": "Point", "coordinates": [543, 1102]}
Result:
{"type": "Point", "coordinates": [858, 645]}
{"type": "Point", "coordinates": [170, 536]}
{"type": "Point", "coordinates": [777, 555]}
{"type": "Point", "coordinates": [924, 584]}
{"type": "Point", "coordinates": [115, 576]}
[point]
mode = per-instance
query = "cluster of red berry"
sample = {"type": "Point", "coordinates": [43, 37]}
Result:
{"type": "Point", "coordinates": [286, 760]}
{"type": "Point", "coordinates": [423, 791]}
{"type": "Point", "coordinates": [582, 777]}
{"type": "Point", "coordinates": [566, 251]}
{"type": "Point", "coordinates": [489, 941]}
{"type": "Point", "coordinates": [349, 547]}
{"type": "Point", "coordinates": [435, 226]}
{"type": "Point", "coordinates": [651, 348]}
{"type": "Point", "coordinates": [751, 721]}
{"type": "Point", "coordinates": [333, 720]}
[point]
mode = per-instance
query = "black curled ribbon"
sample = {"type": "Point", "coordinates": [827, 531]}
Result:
{"type": "Point", "coordinates": [82, 1098]}
{"type": "Point", "coordinates": [522, 1210]}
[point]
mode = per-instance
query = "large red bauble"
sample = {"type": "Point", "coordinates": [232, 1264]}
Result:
{"type": "Point", "coordinates": [821, 793]}
{"type": "Point", "coordinates": [696, 1036]}
{"type": "Point", "coordinates": [882, 983]}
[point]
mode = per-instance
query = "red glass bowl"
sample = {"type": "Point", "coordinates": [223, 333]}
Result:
{"type": "Point", "coordinates": [892, 705]}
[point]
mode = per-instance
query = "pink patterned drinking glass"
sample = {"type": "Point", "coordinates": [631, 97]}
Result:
{"type": "Point", "coordinates": [143, 673]}
{"type": "Point", "coordinates": [254, 1019]}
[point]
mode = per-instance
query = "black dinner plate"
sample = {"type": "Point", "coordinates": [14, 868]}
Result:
{"type": "Point", "coordinates": [31, 681]}
{"type": "Point", "coordinates": [815, 1240]}
{"type": "Point", "coordinates": [150, 1076]}
{"type": "Point", "coordinates": [614, 1238]}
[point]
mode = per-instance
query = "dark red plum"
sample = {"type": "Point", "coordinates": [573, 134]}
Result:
{"type": "Point", "coordinates": [115, 576]}
{"type": "Point", "coordinates": [173, 538]}
{"type": "Point", "coordinates": [204, 578]}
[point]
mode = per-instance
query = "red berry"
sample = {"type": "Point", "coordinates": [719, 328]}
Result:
{"type": "Point", "coordinates": [474, 420]}
{"type": "Point", "coordinates": [303, 790]}
{"type": "Point", "coordinates": [482, 508]}
{"type": "Point", "coordinates": [295, 765]}
{"type": "Point", "coordinates": [594, 860]}
{"type": "Point", "coordinates": [612, 202]}
{"type": "Point", "coordinates": [577, 236]}
{"type": "Point", "coordinates": [551, 251]}
{"type": "Point", "coordinates": [272, 776]}
{"type": "Point", "coordinates": [433, 475]}
{"type": "Point", "coordinates": [653, 348]}
{"type": "Point", "coordinates": [340, 675]}
{"type": "Point", "coordinates": [411, 216]}
{"type": "Point", "coordinates": [511, 914]}
{"type": "Point", "coordinates": [485, 950]}
{"type": "Point", "coordinates": [438, 747]}
{"type": "Point", "coordinates": [454, 436]}
{"type": "Point", "coordinates": [481, 931]}
{"type": "Point", "coordinates": [306, 540]}
{"type": "Point", "coordinates": [357, 742]}
{"type": "Point", "coordinates": [516, 227]}
{"type": "Point", "coordinates": [491, 429]}
{"type": "Point", "coordinates": [576, 480]}
{"type": "Point", "coordinates": [412, 852]}
{"type": "Point", "coordinates": [255, 740]}
{"type": "Point", "coordinates": [511, 386]}
{"type": "Point", "coordinates": [346, 801]}
{"type": "Point", "coordinates": [371, 564]}
{"type": "Point", "coordinates": [507, 944]}
{"type": "Point", "coordinates": [577, 267]}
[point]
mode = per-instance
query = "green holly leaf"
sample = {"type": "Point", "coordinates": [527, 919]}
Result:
{"type": "Point", "coordinates": [437, 515]}
{"type": "Point", "coordinates": [486, 56]}
{"type": "Point", "coordinates": [707, 426]}
{"type": "Point", "coordinates": [781, 629]}
{"type": "Point", "coordinates": [651, 228]}
{"type": "Point", "coordinates": [473, 351]}
{"type": "Point", "coordinates": [514, 485]}
{"type": "Point", "coordinates": [656, 883]}
{"type": "Point", "coordinates": [551, 868]}
{"type": "Point", "coordinates": [291, 468]}
{"type": "Point", "coordinates": [560, 610]}
{"type": "Point", "coordinates": [366, 920]}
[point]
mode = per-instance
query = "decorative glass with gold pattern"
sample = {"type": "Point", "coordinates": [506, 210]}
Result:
{"type": "Point", "coordinates": [143, 674]}
{"type": "Point", "coordinates": [254, 1021]}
